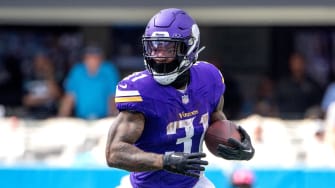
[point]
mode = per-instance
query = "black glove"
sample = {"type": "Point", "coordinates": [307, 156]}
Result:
{"type": "Point", "coordinates": [240, 151]}
{"type": "Point", "coordinates": [188, 164]}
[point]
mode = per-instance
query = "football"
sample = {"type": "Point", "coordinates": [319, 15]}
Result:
{"type": "Point", "coordinates": [219, 132]}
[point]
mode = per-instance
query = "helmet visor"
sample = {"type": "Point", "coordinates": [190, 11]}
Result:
{"type": "Point", "coordinates": [163, 48]}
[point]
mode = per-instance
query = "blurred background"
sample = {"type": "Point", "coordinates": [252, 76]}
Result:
{"type": "Point", "coordinates": [277, 58]}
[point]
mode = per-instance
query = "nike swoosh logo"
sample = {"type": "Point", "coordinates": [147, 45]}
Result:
{"type": "Point", "coordinates": [124, 86]}
{"type": "Point", "coordinates": [249, 150]}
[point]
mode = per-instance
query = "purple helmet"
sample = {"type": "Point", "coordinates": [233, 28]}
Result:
{"type": "Point", "coordinates": [176, 31]}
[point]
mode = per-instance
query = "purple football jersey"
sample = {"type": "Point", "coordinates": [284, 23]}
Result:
{"type": "Point", "coordinates": [175, 121]}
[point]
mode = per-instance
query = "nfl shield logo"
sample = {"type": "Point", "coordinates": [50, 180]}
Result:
{"type": "Point", "coordinates": [185, 99]}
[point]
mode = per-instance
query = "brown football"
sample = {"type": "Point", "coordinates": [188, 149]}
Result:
{"type": "Point", "coordinates": [219, 132]}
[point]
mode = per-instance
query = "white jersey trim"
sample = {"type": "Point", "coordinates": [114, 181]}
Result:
{"type": "Point", "coordinates": [128, 93]}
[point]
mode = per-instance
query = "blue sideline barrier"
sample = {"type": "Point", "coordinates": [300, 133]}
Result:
{"type": "Point", "coordinates": [32, 177]}
{"type": "Point", "coordinates": [295, 178]}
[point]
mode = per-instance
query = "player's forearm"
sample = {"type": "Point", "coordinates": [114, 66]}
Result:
{"type": "Point", "coordinates": [131, 158]}
{"type": "Point", "coordinates": [218, 113]}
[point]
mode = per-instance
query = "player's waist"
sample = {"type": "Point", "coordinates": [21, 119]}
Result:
{"type": "Point", "coordinates": [162, 179]}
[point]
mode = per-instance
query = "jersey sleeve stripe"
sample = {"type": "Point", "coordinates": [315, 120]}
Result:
{"type": "Point", "coordinates": [127, 93]}
{"type": "Point", "coordinates": [128, 99]}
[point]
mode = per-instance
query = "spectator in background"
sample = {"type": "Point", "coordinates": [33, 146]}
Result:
{"type": "Point", "coordinates": [242, 178]}
{"type": "Point", "coordinates": [265, 104]}
{"type": "Point", "coordinates": [296, 92]}
{"type": "Point", "coordinates": [42, 92]}
{"type": "Point", "coordinates": [315, 45]}
{"type": "Point", "coordinates": [90, 87]}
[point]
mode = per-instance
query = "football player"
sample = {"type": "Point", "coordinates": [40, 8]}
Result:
{"type": "Point", "coordinates": [166, 109]}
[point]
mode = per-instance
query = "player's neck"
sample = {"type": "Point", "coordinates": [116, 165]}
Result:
{"type": "Point", "coordinates": [181, 82]}
{"type": "Point", "coordinates": [183, 89]}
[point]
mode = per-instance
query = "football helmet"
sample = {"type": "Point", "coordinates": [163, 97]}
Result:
{"type": "Point", "coordinates": [170, 44]}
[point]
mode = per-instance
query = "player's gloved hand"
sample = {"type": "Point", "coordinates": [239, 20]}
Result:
{"type": "Point", "coordinates": [241, 151]}
{"type": "Point", "coordinates": [189, 164]}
